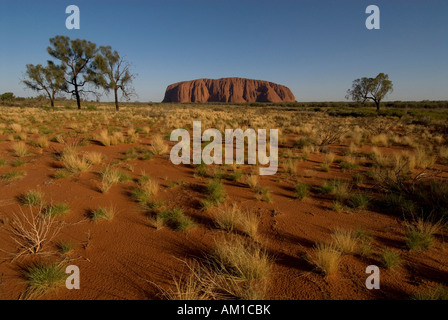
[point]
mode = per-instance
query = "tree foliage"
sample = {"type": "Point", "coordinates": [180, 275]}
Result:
{"type": "Point", "coordinates": [113, 73]}
{"type": "Point", "coordinates": [77, 57]}
{"type": "Point", "coordinates": [374, 89]}
{"type": "Point", "coordinates": [7, 97]}
{"type": "Point", "coordinates": [50, 79]}
{"type": "Point", "coordinates": [82, 65]}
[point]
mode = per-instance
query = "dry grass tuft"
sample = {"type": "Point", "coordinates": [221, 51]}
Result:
{"type": "Point", "coordinates": [20, 149]}
{"type": "Point", "coordinates": [420, 234]}
{"type": "Point", "coordinates": [329, 158]}
{"type": "Point", "coordinates": [326, 257]}
{"type": "Point", "coordinates": [249, 224]}
{"type": "Point", "coordinates": [94, 157]}
{"type": "Point", "coordinates": [104, 138]}
{"type": "Point", "coordinates": [246, 261]}
{"type": "Point", "coordinates": [43, 142]}
{"type": "Point", "coordinates": [228, 218]}
{"type": "Point", "coordinates": [345, 241]}
{"type": "Point", "coordinates": [73, 162]}
{"type": "Point", "coordinates": [158, 145]}
{"type": "Point", "coordinates": [231, 218]}
{"type": "Point", "coordinates": [109, 177]}
{"type": "Point", "coordinates": [17, 128]}
{"type": "Point", "coordinates": [252, 181]}
{"type": "Point", "coordinates": [381, 140]}
{"type": "Point", "coordinates": [103, 213]}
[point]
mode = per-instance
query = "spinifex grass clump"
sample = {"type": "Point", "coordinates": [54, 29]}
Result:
{"type": "Point", "coordinates": [31, 198]}
{"type": "Point", "coordinates": [20, 149]}
{"type": "Point", "coordinates": [215, 194]}
{"type": "Point", "coordinates": [61, 174]}
{"type": "Point", "coordinates": [249, 223]}
{"type": "Point", "coordinates": [359, 201]}
{"type": "Point", "coordinates": [102, 213]}
{"type": "Point", "coordinates": [420, 234]}
{"type": "Point", "coordinates": [65, 247]}
{"type": "Point", "coordinates": [42, 278]}
{"type": "Point", "coordinates": [201, 170]}
{"type": "Point", "coordinates": [43, 142]}
{"type": "Point", "coordinates": [338, 188]}
{"type": "Point", "coordinates": [73, 161]}
{"type": "Point", "coordinates": [110, 140]}
{"type": "Point", "coordinates": [346, 241]}
{"type": "Point", "coordinates": [263, 194]}
{"type": "Point", "coordinates": [301, 190]}
{"type": "Point", "coordinates": [13, 175]}
{"type": "Point", "coordinates": [94, 157]}
{"type": "Point", "coordinates": [228, 218]}
{"type": "Point", "coordinates": [57, 210]}
{"type": "Point", "coordinates": [158, 145]}
{"type": "Point", "coordinates": [176, 219]}
{"type": "Point", "coordinates": [252, 181]}
{"type": "Point", "coordinates": [390, 258]}
{"type": "Point", "coordinates": [147, 188]}
{"type": "Point", "coordinates": [233, 218]}
{"type": "Point", "coordinates": [439, 292]}
{"type": "Point", "coordinates": [243, 260]}
{"type": "Point", "coordinates": [235, 176]}
{"type": "Point", "coordinates": [326, 257]}
{"type": "Point", "coordinates": [109, 177]}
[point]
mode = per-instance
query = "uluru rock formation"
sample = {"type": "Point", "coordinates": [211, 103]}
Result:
{"type": "Point", "coordinates": [227, 90]}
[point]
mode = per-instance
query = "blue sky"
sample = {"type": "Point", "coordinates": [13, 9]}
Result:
{"type": "Point", "coordinates": [316, 48]}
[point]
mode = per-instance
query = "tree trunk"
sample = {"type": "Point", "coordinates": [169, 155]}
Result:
{"type": "Point", "coordinates": [377, 106]}
{"type": "Point", "coordinates": [78, 100]}
{"type": "Point", "coordinates": [51, 97]}
{"type": "Point", "coordinates": [117, 108]}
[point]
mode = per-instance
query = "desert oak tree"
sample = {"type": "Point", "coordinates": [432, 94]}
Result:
{"type": "Point", "coordinates": [77, 58]}
{"type": "Point", "coordinates": [374, 89]}
{"type": "Point", "coordinates": [113, 73]}
{"type": "Point", "coordinates": [7, 97]}
{"type": "Point", "coordinates": [50, 79]}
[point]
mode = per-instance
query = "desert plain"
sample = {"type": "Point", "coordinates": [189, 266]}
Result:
{"type": "Point", "coordinates": [95, 188]}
